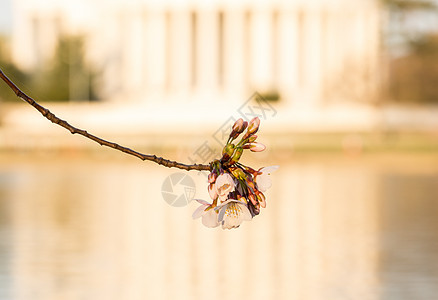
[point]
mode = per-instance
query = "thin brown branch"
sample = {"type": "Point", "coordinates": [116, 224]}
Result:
{"type": "Point", "coordinates": [54, 119]}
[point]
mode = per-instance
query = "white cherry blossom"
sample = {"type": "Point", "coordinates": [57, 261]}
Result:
{"type": "Point", "coordinates": [232, 213]}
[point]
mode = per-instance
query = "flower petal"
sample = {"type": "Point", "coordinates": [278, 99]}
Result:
{"type": "Point", "coordinates": [203, 202]}
{"type": "Point", "coordinates": [209, 219]}
{"type": "Point", "coordinates": [228, 202]}
{"type": "Point", "coordinates": [212, 191]}
{"type": "Point", "coordinates": [263, 183]}
{"type": "Point", "coordinates": [199, 212]}
{"type": "Point", "coordinates": [269, 170]}
{"type": "Point", "coordinates": [246, 215]}
{"type": "Point", "coordinates": [223, 178]}
{"type": "Point", "coordinates": [263, 180]}
{"type": "Point", "coordinates": [223, 198]}
{"type": "Point", "coordinates": [224, 184]}
{"type": "Point", "coordinates": [221, 215]}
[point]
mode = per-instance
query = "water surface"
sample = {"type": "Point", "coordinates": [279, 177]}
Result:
{"type": "Point", "coordinates": [75, 226]}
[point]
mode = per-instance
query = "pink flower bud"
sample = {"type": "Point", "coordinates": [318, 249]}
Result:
{"type": "Point", "coordinates": [212, 177]}
{"type": "Point", "coordinates": [253, 199]}
{"type": "Point", "coordinates": [253, 125]}
{"type": "Point", "coordinates": [261, 198]}
{"type": "Point", "coordinates": [239, 125]}
{"type": "Point", "coordinates": [255, 147]}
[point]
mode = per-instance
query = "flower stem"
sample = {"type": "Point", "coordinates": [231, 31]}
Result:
{"type": "Point", "coordinates": [54, 119]}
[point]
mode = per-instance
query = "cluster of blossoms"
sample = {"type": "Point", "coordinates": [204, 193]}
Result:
{"type": "Point", "coordinates": [236, 190]}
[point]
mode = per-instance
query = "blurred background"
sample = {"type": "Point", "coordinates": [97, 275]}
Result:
{"type": "Point", "coordinates": [347, 96]}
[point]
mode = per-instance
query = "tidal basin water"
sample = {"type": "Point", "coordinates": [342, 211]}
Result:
{"type": "Point", "coordinates": [75, 226]}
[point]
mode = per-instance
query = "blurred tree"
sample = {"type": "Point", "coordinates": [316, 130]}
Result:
{"type": "Point", "coordinates": [414, 77]}
{"type": "Point", "coordinates": [408, 5]}
{"type": "Point", "coordinates": [413, 51]}
{"type": "Point", "coordinates": [67, 76]}
{"type": "Point", "coordinates": [11, 70]}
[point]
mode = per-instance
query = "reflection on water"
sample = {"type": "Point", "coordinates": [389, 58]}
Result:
{"type": "Point", "coordinates": [409, 236]}
{"type": "Point", "coordinates": [334, 228]}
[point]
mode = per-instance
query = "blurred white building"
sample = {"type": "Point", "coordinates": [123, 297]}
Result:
{"type": "Point", "coordinates": [310, 53]}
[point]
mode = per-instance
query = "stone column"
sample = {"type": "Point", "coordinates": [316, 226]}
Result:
{"type": "Point", "coordinates": [133, 54]}
{"type": "Point", "coordinates": [179, 51]}
{"type": "Point", "coordinates": [207, 49]}
{"type": "Point", "coordinates": [287, 54]}
{"type": "Point", "coordinates": [234, 52]}
{"type": "Point", "coordinates": [260, 50]}
{"type": "Point", "coordinates": [155, 49]}
{"type": "Point", "coordinates": [311, 57]}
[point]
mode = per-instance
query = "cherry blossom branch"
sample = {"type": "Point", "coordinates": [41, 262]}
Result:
{"type": "Point", "coordinates": [73, 130]}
